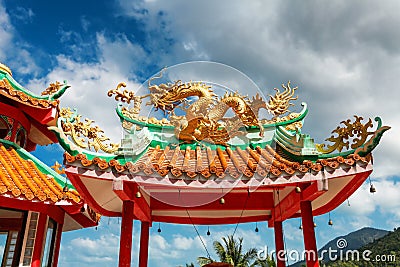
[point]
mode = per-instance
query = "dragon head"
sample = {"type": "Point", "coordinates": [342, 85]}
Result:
{"type": "Point", "coordinates": [280, 103]}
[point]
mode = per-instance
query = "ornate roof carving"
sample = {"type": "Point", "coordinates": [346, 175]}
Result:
{"type": "Point", "coordinates": [83, 133]}
{"type": "Point", "coordinates": [202, 114]}
{"type": "Point", "coordinates": [221, 163]}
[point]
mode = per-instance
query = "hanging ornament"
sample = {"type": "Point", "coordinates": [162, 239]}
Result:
{"type": "Point", "coordinates": [330, 222]}
{"type": "Point", "coordinates": [222, 201]}
{"type": "Point", "coordinates": [208, 231]}
{"type": "Point", "coordinates": [159, 228]}
{"type": "Point", "coordinates": [298, 189]}
{"type": "Point", "coordinates": [372, 188]}
{"type": "Point", "coordinates": [256, 230]}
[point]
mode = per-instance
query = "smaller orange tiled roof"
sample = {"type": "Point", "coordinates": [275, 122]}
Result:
{"type": "Point", "coordinates": [21, 178]}
{"type": "Point", "coordinates": [205, 162]}
{"type": "Point", "coordinates": [7, 90]}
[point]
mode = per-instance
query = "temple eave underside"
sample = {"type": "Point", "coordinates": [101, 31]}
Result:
{"type": "Point", "coordinates": [186, 200]}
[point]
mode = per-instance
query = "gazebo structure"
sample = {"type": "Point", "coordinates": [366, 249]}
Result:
{"type": "Point", "coordinates": [214, 161]}
{"type": "Point", "coordinates": [36, 203]}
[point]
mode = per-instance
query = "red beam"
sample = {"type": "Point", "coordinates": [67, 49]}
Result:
{"type": "Point", "coordinates": [210, 201]}
{"type": "Point", "coordinates": [310, 243]}
{"type": "Point", "coordinates": [43, 116]}
{"type": "Point", "coordinates": [125, 245]}
{"type": "Point", "coordinates": [290, 205]}
{"type": "Point", "coordinates": [144, 244]}
{"type": "Point", "coordinates": [279, 244]}
{"type": "Point", "coordinates": [126, 191]}
{"type": "Point", "coordinates": [7, 224]}
{"type": "Point", "coordinates": [54, 211]}
{"type": "Point", "coordinates": [210, 221]}
{"type": "Point", "coordinates": [15, 113]}
{"type": "Point", "coordinates": [57, 243]}
{"type": "Point", "coordinates": [39, 240]}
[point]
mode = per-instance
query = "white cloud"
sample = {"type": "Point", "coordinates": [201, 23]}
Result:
{"type": "Point", "coordinates": [366, 207]}
{"type": "Point", "coordinates": [5, 32]}
{"type": "Point", "coordinates": [17, 57]}
{"type": "Point", "coordinates": [92, 250]}
{"type": "Point", "coordinates": [23, 14]}
{"type": "Point", "coordinates": [344, 56]}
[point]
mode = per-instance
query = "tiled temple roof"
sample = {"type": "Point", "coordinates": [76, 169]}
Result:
{"type": "Point", "coordinates": [22, 178]}
{"type": "Point", "coordinates": [7, 90]}
{"type": "Point", "coordinates": [206, 162]}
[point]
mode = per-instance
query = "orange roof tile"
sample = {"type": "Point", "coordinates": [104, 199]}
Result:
{"type": "Point", "coordinates": [205, 162]}
{"type": "Point", "coordinates": [22, 178]}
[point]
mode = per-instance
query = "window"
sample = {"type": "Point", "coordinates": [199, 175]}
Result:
{"type": "Point", "coordinates": [4, 129]}
{"type": "Point", "coordinates": [3, 242]}
{"type": "Point", "coordinates": [48, 252]}
{"type": "Point", "coordinates": [21, 137]}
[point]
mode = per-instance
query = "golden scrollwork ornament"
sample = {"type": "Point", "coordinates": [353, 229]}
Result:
{"type": "Point", "coordinates": [53, 88]}
{"type": "Point", "coordinates": [84, 134]}
{"type": "Point", "coordinates": [355, 131]}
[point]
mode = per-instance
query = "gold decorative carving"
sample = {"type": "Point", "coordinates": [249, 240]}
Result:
{"type": "Point", "coordinates": [84, 134]}
{"type": "Point", "coordinates": [123, 96]}
{"type": "Point", "coordinates": [204, 118]}
{"type": "Point", "coordinates": [58, 168]}
{"type": "Point", "coordinates": [357, 131]}
{"type": "Point", "coordinates": [294, 126]}
{"type": "Point", "coordinates": [204, 114]}
{"type": "Point", "coordinates": [66, 113]}
{"type": "Point", "coordinates": [53, 88]}
{"type": "Point", "coordinates": [279, 103]}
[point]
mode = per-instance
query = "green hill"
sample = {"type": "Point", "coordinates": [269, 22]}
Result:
{"type": "Point", "coordinates": [355, 240]}
{"type": "Point", "coordinates": [384, 252]}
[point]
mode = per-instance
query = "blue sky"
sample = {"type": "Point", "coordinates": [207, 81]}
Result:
{"type": "Point", "coordinates": [343, 55]}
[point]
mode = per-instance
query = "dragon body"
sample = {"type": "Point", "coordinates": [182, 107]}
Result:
{"type": "Point", "coordinates": [204, 118]}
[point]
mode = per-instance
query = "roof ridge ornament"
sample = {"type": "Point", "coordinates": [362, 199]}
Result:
{"type": "Point", "coordinates": [52, 89]}
{"type": "Point", "coordinates": [204, 114]}
{"type": "Point", "coordinates": [83, 133]}
{"type": "Point", "coordinates": [357, 132]}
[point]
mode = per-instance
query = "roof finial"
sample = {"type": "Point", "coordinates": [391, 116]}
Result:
{"type": "Point", "coordinates": [5, 68]}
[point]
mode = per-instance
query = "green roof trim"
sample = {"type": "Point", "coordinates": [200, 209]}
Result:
{"type": "Point", "coordinates": [158, 128]}
{"type": "Point", "coordinates": [18, 87]}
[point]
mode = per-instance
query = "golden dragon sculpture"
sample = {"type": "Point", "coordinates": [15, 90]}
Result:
{"type": "Point", "coordinates": [204, 119]}
{"type": "Point", "coordinates": [203, 113]}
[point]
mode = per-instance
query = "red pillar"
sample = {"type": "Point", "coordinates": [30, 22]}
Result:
{"type": "Point", "coordinates": [39, 240]}
{"type": "Point", "coordinates": [144, 244]}
{"type": "Point", "coordinates": [57, 244]}
{"type": "Point", "coordinates": [279, 245]}
{"type": "Point", "coordinates": [125, 243]}
{"type": "Point", "coordinates": [309, 235]}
